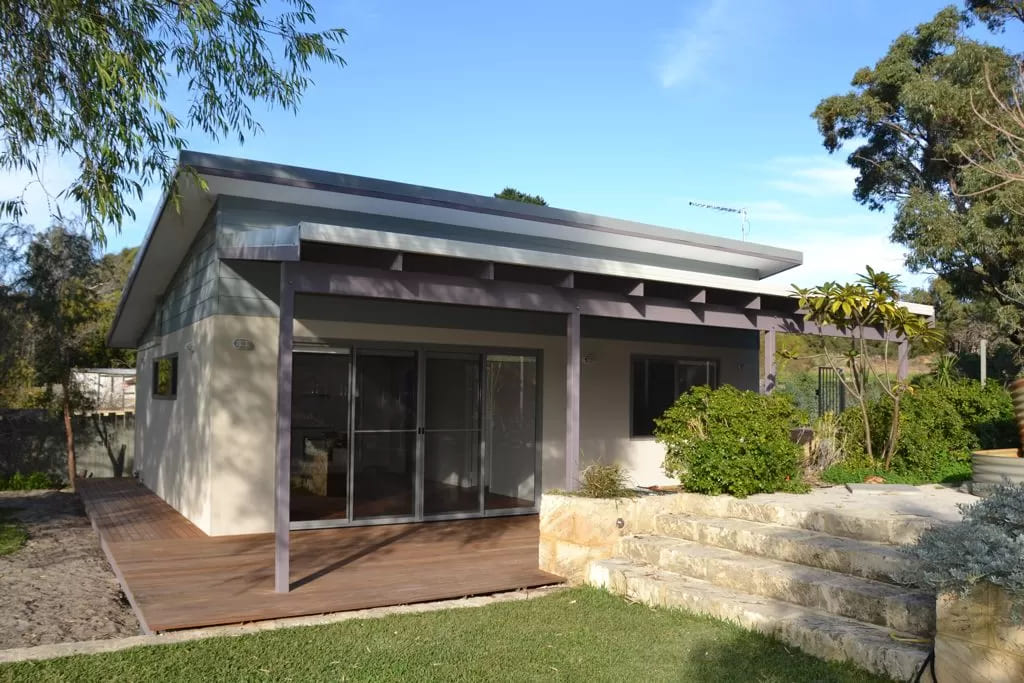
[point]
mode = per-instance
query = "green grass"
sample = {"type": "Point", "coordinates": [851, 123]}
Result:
{"type": "Point", "coordinates": [12, 534]}
{"type": "Point", "coordinates": [954, 473]}
{"type": "Point", "coordinates": [581, 634]}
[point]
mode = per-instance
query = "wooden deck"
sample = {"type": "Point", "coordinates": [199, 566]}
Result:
{"type": "Point", "coordinates": [178, 577]}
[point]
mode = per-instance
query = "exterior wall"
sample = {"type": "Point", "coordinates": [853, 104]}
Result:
{"type": "Point", "coordinates": [172, 436]}
{"type": "Point", "coordinates": [605, 399]}
{"type": "Point", "coordinates": [243, 425]}
{"type": "Point", "coordinates": [243, 399]}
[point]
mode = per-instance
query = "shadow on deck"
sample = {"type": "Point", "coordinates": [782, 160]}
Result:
{"type": "Point", "coordinates": [177, 577]}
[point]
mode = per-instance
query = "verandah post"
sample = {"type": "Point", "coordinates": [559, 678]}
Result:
{"type": "Point", "coordinates": [572, 401]}
{"type": "Point", "coordinates": [768, 385]}
{"type": "Point", "coordinates": [282, 516]}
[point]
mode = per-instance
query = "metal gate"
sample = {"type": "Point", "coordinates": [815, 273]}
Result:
{"type": "Point", "coordinates": [831, 392]}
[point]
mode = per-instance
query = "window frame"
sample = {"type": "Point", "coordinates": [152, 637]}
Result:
{"type": "Point", "coordinates": [677, 362]}
{"type": "Point", "coordinates": [154, 390]}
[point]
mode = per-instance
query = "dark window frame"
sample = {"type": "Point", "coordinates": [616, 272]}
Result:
{"type": "Point", "coordinates": [712, 373]}
{"type": "Point", "coordinates": [172, 393]}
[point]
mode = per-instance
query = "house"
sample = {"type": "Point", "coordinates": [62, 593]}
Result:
{"type": "Point", "coordinates": [318, 349]}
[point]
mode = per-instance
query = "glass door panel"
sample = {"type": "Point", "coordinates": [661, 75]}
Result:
{"type": "Point", "coordinates": [510, 431]}
{"type": "Point", "coordinates": [384, 434]}
{"type": "Point", "coordinates": [320, 452]}
{"type": "Point", "coordinates": [451, 445]}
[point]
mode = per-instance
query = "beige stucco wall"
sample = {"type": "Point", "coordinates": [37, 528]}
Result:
{"type": "Point", "coordinates": [172, 437]}
{"type": "Point", "coordinates": [243, 425]}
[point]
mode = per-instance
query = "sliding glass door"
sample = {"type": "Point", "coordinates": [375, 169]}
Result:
{"type": "Point", "coordinates": [384, 436]}
{"type": "Point", "coordinates": [404, 434]}
{"type": "Point", "coordinates": [320, 436]}
{"type": "Point", "coordinates": [451, 434]}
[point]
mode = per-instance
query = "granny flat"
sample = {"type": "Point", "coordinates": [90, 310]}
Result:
{"type": "Point", "coordinates": [320, 350]}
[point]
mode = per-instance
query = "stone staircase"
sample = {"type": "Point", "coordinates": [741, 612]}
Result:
{"type": "Point", "coordinates": [828, 588]}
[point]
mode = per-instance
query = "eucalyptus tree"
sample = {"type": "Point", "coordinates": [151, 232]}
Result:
{"type": "Point", "coordinates": [918, 121]}
{"type": "Point", "coordinates": [114, 86]}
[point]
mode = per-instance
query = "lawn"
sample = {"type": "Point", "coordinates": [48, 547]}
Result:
{"type": "Point", "coordinates": [12, 534]}
{"type": "Point", "coordinates": [581, 634]}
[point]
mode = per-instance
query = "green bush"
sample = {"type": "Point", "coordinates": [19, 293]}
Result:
{"type": "Point", "coordinates": [604, 481]}
{"type": "Point", "coordinates": [29, 482]}
{"type": "Point", "coordinates": [986, 546]}
{"type": "Point", "coordinates": [940, 424]}
{"type": "Point", "coordinates": [730, 441]}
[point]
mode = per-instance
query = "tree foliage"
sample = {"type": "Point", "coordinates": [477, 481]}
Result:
{"type": "Point", "coordinates": [915, 119]}
{"type": "Point", "coordinates": [91, 81]}
{"type": "Point", "coordinates": [515, 195]}
{"type": "Point", "coordinates": [871, 303]}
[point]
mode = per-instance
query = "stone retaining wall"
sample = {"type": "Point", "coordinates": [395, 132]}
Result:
{"type": "Point", "coordinates": [574, 531]}
{"type": "Point", "coordinates": [976, 640]}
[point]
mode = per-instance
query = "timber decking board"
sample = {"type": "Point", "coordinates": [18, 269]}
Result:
{"type": "Point", "coordinates": [178, 577]}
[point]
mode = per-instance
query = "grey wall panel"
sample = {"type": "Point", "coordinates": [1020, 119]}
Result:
{"type": "Point", "coordinates": [648, 331]}
{"type": "Point", "coordinates": [192, 292]}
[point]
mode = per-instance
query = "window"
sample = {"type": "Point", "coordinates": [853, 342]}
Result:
{"type": "Point", "coordinates": [658, 382]}
{"type": "Point", "coordinates": [165, 377]}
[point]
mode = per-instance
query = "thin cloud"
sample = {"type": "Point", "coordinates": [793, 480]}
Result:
{"type": "Point", "coordinates": [812, 176]}
{"type": "Point", "coordinates": [695, 45]}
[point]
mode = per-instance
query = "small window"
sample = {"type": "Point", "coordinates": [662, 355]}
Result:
{"type": "Point", "coordinates": [658, 382]}
{"type": "Point", "coordinates": [165, 377]}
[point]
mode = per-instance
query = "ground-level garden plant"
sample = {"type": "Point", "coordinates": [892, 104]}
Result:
{"type": "Point", "coordinates": [987, 546]}
{"type": "Point", "coordinates": [29, 482]}
{"type": "Point", "coordinates": [581, 634]}
{"type": "Point", "coordinates": [730, 441]}
{"type": "Point", "coordinates": [12, 534]}
{"type": "Point", "coordinates": [941, 423]}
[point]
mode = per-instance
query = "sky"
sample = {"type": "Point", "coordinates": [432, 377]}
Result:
{"type": "Point", "coordinates": [630, 110]}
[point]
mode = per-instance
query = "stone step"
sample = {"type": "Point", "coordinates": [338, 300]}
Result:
{"type": "Point", "coordinates": [818, 633]}
{"type": "Point", "coordinates": [864, 518]}
{"type": "Point", "coordinates": [869, 601]}
{"type": "Point", "coordinates": [876, 561]}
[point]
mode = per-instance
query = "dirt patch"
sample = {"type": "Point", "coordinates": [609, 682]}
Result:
{"type": "Point", "coordinates": [58, 587]}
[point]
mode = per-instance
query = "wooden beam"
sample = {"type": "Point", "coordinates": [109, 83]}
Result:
{"type": "Point", "coordinates": [323, 278]}
{"type": "Point", "coordinates": [397, 263]}
{"type": "Point", "coordinates": [487, 271]}
{"type": "Point", "coordinates": [568, 281]}
{"type": "Point", "coordinates": [572, 401]}
{"type": "Point", "coordinates": [282, 489]}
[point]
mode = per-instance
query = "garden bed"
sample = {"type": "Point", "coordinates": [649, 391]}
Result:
{"type": "Point", "coordinates": [58, 586]}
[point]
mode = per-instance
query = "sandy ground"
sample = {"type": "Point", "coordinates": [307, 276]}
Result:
{"type": "Point", "coordinates": [58, 587]}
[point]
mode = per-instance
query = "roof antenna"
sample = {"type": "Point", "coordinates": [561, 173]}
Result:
{"type": "Point", "coordinates": [744, 220]}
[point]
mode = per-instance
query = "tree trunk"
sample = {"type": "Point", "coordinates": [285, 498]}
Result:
{"type": "Point", "coordinates": [69, 435]}
{"type": "Point", "coordinates": [894, 432]}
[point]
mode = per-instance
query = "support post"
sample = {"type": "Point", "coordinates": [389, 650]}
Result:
{"type": "Point", "coordinates": [769, 362]}
{"type": "Point", "coordinates": [904, 360]}
{"type": "Point", "coordinates": [983, 359]}
{"type": "Point", "coordinates": [282, 492]}
{"type": "Point", "coordinates": [572, 401]}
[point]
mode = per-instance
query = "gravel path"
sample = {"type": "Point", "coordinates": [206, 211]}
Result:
{"type": "Point", "coordinates": [58, 587]}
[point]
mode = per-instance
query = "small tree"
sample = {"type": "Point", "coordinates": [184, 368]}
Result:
{"type": "Point", "coordinates": [870, 303]}
{"type": "Point", "coordinates": [512, 194]}
{"type": "Point", "coordinates": [60, 291]}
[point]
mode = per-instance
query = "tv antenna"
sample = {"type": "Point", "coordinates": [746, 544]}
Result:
{"type": "Point", "coordinates": [744, 220]}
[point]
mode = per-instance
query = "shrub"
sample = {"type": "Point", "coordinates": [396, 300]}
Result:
{"type": "Point", "coordinates": [604, 481]}
{"type": "Point", "coordinates": [29, 482]}
{"type": "Point", "coordinates": [730, 441]}
{"type": "Point", "coordinates": [940, 424]}
{"type": "Point", "coordinates": [987, 546]}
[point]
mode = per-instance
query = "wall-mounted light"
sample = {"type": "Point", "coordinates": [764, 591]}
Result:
{"type": "Point", "coordinates": [243, 344]}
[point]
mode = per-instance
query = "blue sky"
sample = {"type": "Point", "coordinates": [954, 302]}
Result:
{"type": "Point", "coordinates": [624, 109]}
